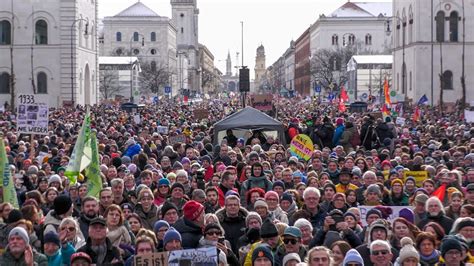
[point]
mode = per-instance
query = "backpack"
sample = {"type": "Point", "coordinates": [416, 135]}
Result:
{"type": "Point", "coordinates": [355, 139]}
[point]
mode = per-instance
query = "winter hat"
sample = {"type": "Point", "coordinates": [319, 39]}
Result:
{"type": "Point", "coordinates": [253, 154]}
{"type": "Point", "coordinates": [21, 232]}
{"type": "Point", "coordinates": [464, 223]}
{"type": "Point", "coordinates": [54, 178]}
{"type": "Point", "coordinates": [351, 214]}
{"type": "Point", "coordinates": [252, 215]}
{"type": "Point", "coordinates": [353, 256]}
{"type": "Point", "coordinates": [126, 160]}
{"type": "Point", "coordinates": [177, 165]}
{"type": "Point", "coordinates": [260, 203]}
{"type": "Point", "coordinates": [262, 250]}
{"type": "Point", "coordinates": [177, 185]}
{"type": "Point", "coordinates": [171, 234]}
{"type": "Point", "coordinates": [408, 250]}
{"type": "Point", "coordinates": [386, 163]}
{"type": "Point", "coordinates": [80, 255]}
{"type": "Point", "coordinates": [292, 231]}
{"type": "Point", "coordinates": [286, 196]}
{"type": "Point", "coordinates": [231, 193]}
{"type": "Point", "coordinates": [421, 198]}
{"type": "Point", "coordinates": [374, 188]}
{"type": "Point", "coordinates": [374, 211]}
{"type": "Point", "coordinates": [146, 192]}
{"type": "Point", "coordinates": [62, 204]}
{"type": "Point", "coordinates": [396, 180]}
{"type": "Point", "coordinates": [185, 160]}
{"type": "Point", "coordinates": [52, 237]}
{"type": "Point", "coordinates": [278, 183]}
{"type": "Point", "coordinates": [291, 256]}
{"type": "Point", "coordinates": [407, 214]}
{"type": "Point", "coordinates": [166, 207]}
{"type": "Point", "coordinates": [163, 181]}
{"type": "Point", "coordinates": [339, 121]}
{"type": "Point", "coordinates": [213, 226]}
{"type": "Point", "coordinates": [270, 194]}
{"type": "Point", "coordinates": [450, 243]}
{"type": "Point", "coordinates": [206, 158]}
{"type": "Point", "coordinates": [192, 209]}
{"type": "Point", "coordinates": [14, 216]}
{"type": "Point", "coordinates": [268, 229]}
{"type": "Point", "coordinates": [159, 224]}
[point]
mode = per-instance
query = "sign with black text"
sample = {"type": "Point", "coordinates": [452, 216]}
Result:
{"type": "Point", "coordinates": [32, 114]}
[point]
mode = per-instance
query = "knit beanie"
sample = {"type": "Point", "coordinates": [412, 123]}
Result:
{"type": "Point", "coordinates": [21, 232]}
{"type": "Point", "coordinates": [192, 209]}
{"type": "Point", "coordinates": [252, 215]}
{"type": "Point", "coordinates": [62, 204]}
{"type": "Point", "coordinates": [386, 163]}
{"type": "Point", "coordinates": [262, 250]}
{"type": "Point", "coordinates": [351, 214]}
{"type": "Point", "coordinates": [268, 229]}
{"type": "Point", "coordinates": [146, 192]}
{"type": "Point", "coordinates": [54, 178]}
{"type": "Point", "coordinates": [339, 121]}
{"type": "Point", "coordinates": [177, 185]}
{"type": "Point", "coordinates": [450, 243]}
{"type": "Point", "coordinates": [464, 223]}
{"type": "Point", "coordinates": [260, 203]}
{"type": "Point", "coordinates": [353, 256]}
{"type": "Point", "coordinates": [374, 211]}
{"type": "Point", "coordinates": [270, 194]}
{"type": "Point", "coordinates": [291, 256]}
{"type": "Point", "coordinates": [213, 226]}
{"type": "Point", "coordinates": [407, 214]}
{"type": "Point", "coordinates": [396, 180]}
{"type": "Point", "coordinates": [52, 237]}
{"type": "Point", "coordinates": [286, 196]}
{"type": "Point", "coordinates": [14, 216]}
{"type": "Point", "coordinates": [171, 234]}
{"type": "Point", "coordinates": [166, 207]}
{"type": "Point", "coordinates": [408, 250]}
{"type": "Point", "coordinates": [278, 183]}
{"type": "Point", "coordinates": [374, 188]}
{"type": "Point", "coordinates": [159, 224]}
{"type": "Point", "coordinates": [163, 181]}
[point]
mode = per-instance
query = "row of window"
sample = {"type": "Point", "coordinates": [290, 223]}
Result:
{"type": "Point", "coordinates": [41, 32]}
{"type": "Point", "coordinates": [453, 20]}
{"type": "Point", "coordinates": [41, 83]}
{"type": "Point", "coordinates": [448, 83]}
{"type": "Point", "coordinates": [136, 36]}
{"type": "Point", "coordinates": [351, 39]}
{"type": "Point", "coordinates": [136, 51]}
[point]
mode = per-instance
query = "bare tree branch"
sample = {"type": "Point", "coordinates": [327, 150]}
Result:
{"type": "Point", "coordinates": [109, 83]}
{"type": "Point", "coordinates": [154, 76]}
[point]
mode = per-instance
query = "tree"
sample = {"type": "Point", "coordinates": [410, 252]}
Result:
{"type": "Point", "coordinates": [108, 83]}
{"type": "Point", "coordinates": [154, 76]}
{"type": "Point", "coordinates": [206, 79]}
{"type": "Point", "coordinates": [328, 66]}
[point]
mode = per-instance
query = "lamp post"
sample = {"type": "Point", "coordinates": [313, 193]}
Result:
{"type": "Point", "coordinates": [72, 53]}
{"type": "Point", "coordinates": [401, 23]}
{"type": "Point", "coordinates": [131, 65]}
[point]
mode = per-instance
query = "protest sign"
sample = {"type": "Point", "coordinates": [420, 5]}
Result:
{"type": "Point", "coordinates": [469, 116]}
{"type": "Point", "coordinates": [201, 114]}
{"type": "Point", "coordinates": [301, 146]}
{"type": "Point", "coordinates": [199, 256]}
{"type": "Point", "coordinates": [163, 130]}
{"type": "Point", "coordinates": [262, 102]}
{"type": "Point", "coordinates": [365, 209]}
{"type": "Point", "coordinates": [137, 119]}
{"type": "Point", "coordinates": [32, 113]}
{"type": "Point", "coordinates": [153, 259]}
{"type": "Point", "coordinates": [175, 139]}
{"type": "Point", "coordinates": [400, 121]}
{"type": "Point", "coordinates": [419, 176]}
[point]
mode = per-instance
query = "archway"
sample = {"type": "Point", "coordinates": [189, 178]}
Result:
{"type": "Point", "coordinates": [87, 86]}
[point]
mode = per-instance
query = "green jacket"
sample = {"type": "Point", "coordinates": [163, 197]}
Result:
{"type": "Point", "coordinates": [8, 259]}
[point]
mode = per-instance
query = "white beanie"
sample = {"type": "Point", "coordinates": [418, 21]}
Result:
{"type": "Point", "coordinates": [408, 250]}
{"type": "Point", "coordinates": [291, 256]}
{"type": "Point", "coordinates": [21, 232]}
{"type": "Point", "coordinates": [260, 203]}
{"type": "Point", "coordinates": [54, 178]}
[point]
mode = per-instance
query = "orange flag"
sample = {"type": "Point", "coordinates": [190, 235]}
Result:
{"type": "Point", "coordinates": [440, 192]}
{"type": "Point", "coordinates": [386, 90]}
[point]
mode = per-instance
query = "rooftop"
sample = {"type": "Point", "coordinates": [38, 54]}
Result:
{"type": "Point", "coordinates": [363, 9]}
{"type": "Point", "coordinates": [137, 10]}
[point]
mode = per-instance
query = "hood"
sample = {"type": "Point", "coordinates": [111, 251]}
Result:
{"type": "Point", "coordinates": [51, 218]}
{"type": "Point", "coordinates": [292, 207]}
{"type": "Point", "coordinates": [139, 210]}
{"type": "Point", "coordinates": [182, 225]}
{"type": "Point", "coordinates": [204, 243]}
{"type": "Point", "coordinates": [222, 215]}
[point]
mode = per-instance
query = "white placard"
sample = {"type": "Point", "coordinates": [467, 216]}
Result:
{"type": "Point", "coordinates": [395, 212]}
{"type": "Point", "coordinates": [400, 121]}
{"type": "Point", "coordinates": [137, 119]}
{"type": "Point", "coordinates": [469, 116]}
{"type": "Point", "coordinates": [32, 114]}
{"type": "Point", "coordinates": [163, 130]}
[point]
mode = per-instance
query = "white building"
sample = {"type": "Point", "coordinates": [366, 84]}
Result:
{"type": "Point", "coordinates": [289, 56]}
{"type": "Point", "coordinates": [118, 77]}
{"type": "Point", "coordinates": [139, 31]}
{"type": "Point", "coordinates": [425, 32]}
{"type": "Point", "coordinates": [54, 46]}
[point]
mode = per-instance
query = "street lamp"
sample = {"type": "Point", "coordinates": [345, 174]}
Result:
{"type": "Point", "coordinates": [131, 66]}
{"type": "Point", "coordinates": [72, 52]}
{"type": "Point", "coordinates": [400, 23]}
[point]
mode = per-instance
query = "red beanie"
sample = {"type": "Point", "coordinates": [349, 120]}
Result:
{"type": "Point", "coordinates": [192, 209]}
{"type": "Point", "coordinates": [271, 193]}
{"type": "Point", "coordinates": [386, 162]}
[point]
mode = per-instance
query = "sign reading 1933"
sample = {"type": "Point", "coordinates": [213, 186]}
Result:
{"type": "Point", "coordinates": [32, 114]}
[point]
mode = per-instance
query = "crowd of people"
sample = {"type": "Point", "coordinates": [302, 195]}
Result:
{"type": "Point", "coordinates": [251, 199]}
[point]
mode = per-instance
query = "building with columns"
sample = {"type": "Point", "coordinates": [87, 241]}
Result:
{"type": "Point", "coordinates": [53, 44]}
{"type": "Point", "coordinates": [426, 33]}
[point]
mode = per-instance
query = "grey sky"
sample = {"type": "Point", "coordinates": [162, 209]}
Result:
{"type": "Point", "coordinates": [273, 23]}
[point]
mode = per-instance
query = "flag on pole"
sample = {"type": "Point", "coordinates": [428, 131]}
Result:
{"type": "Point", "coordinates": [81, 155]}
{"type": "Point", "coordinates": [94, 180]}
{"type": "Point", "coordinates": [344, 95]}
{"type": "Point", "coordinates": [386, 90]}
{"type": "Point", "coordinates": [416, 114]}
{"type": "Point", "coordinates": [9, 191]}
{"type": "Point", "coordinates": [423, 100]}
{"type": "Point", "coordinates": [342, 105]}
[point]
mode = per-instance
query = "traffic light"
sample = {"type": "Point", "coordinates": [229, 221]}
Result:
{"type": "Point", "coordinates": [244, 81]}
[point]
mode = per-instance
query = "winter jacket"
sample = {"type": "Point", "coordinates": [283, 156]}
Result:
{"type": "Point", "coordinates": [346, 137]}
{"type": "Point", "coordinates": [234, 227]}
{"type": "Point", "coordinates": [441, 219]}
{"type": "Point", "coordinates": [322, 238]}
{"type": "Point", "coordinates": [316, 220]}
{"type": "Point", "coordinates": [62, 256]}
{"type": "Point", "coordinates": [190, 232]}
{"type": "Point", "coordinates": [51, 222]}
{"type": "Point", "coordinates": [326, 134]}
{"type": "Point", "coordinates": [8, 259]}
{"type": "Point", "coordinates": [84, 222]}
{"type": "Point", "coordinates": [337, 135]}
{"type": "Point", "coordinates": [133, 150]}
{"type": "Point", "coordinates": [280, 215]}
{"type": "Point", "coordinates": [281, 252]}
{"type": "Point", "coordinates": [147, 219]}
{"type": "Point", "coordinates": [366, 135]}
{"type": "Point", "coordinates": [261, 182]}
{"type": "Point", "coordinates": [112, 253]}
{"type": "Point", "coordinates": [383, 132]}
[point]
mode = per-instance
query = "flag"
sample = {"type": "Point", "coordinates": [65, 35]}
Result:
{"type": "Point", "coordinates": [344, 95]}
{"type": "Point", "coordinates": [386, 90]}
{"type": "Point", "coordinates": [440, 192]}
{"type": "Point", "coordinates": [9, 191]}
{"type": "Point", "coordinates": [81, 155]}
{"type": "Point", "coordinates": [423, 100]}
{"type": "Point", "coordinates": [416, 114]}
{"type": "Point", "coordinates": [342, 106]}
{"type": "Point", "coordinates": [94, 180]}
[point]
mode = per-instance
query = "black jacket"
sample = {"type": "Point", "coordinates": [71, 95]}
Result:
{"type": "Point", "coordinates": [84, 222]}
{"type": "Point", "coordinates": [190, 233]}
{"type": "Point", "coordinates": [234, 227]}
{"type": "Point", "coordinates": [112, 252]}
{"type": "Point", "coordinates": [325, 133]}
{"type": "Point", "coordinates": [441, 219]}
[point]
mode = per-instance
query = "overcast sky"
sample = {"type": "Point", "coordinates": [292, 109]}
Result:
{"type": "Point", "coordinates": [273, 23]}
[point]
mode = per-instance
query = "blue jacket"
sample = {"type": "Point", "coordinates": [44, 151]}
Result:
{"type": "Point", "coordinates": [62, 256]}
{"type": "Point", "coordinates": [337, 135]}
{"type": "Point", "coordinates": [133, 150]}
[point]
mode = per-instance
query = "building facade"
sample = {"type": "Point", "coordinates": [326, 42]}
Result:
{"type": "Point", "coordinates": [302, 64]}
{"type": "Point", "coordinates": [426, 33]}
{"type": "Point", "coordinates": [259, 64]}
{"type": "Point", "coordinates": [54, 46]}
{"type": "Point", "coordinates": [208, 73]}
{"type": "Point", "coordinates": [140, 32]}
{"type": "Point", "coordinates": [230, 82]}
{"type": "Point", "coordinates": [289, 57]}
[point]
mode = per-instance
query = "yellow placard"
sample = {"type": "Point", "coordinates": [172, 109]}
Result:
{"type": "Point", "coordinates": [419, 176]}
{"type": "Point", "coordinates": [301, 146]}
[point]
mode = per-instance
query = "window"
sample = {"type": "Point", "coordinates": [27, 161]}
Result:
{"type": "Point", "coordinates": [453, 26]}
{"type": "Point", "coordinates": [335, 39]}
{"type": "Point", "coordinates": [350, 40]}
{"type": "Point", "coordinates": [153, 66]}
{"type": "Point", "coordinates": [42, 82]}
{"type": "Point", "coordinates": [440, 26]}
{"type": "Point", "coordinates": [410, 25]}
{"type": "Point", "coordinates": [5, 32]}
{"type": "Point", "coordinates": [119, 51]}
{"type": "Point", "coordinates": [41, 29]}
{"type": "Point", "coordinates": [448, 80]}
{"type": "Point", "coordinates": [118, 36]}
{"type": "Point", "coordinates": [135, 36]}
{"type": "Point", "coordinates": [136, 51]}
{"type": "Point", "coordinates": [4, 83]}
{"type": "Point", "coordinates": [182, 30]}
{"type": "Point", "coordinates": [411, 81]}
{"type": "Point", "coordinates": [153, 37]}
{"type": "Point", "coordinates": [153, 51]}
{"type": "Point", "coordinates": [368, 39]}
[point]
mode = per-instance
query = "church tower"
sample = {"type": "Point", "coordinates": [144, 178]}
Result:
{"type": "Point", "coordinates": [228, 61]}
{"type": "Point", "coordinates": [185, 16]}
{"type": "Point", "coordinates": [259, 65]}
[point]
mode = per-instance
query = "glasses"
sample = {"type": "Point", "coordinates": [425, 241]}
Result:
{"type": "Point", "coordinates": [70, 229]}
{"type": "Point", "coordinates": [162, 186]}
{"type": "Point", "coordinates": [217, 233]}
{"type": "Point", "coordinates": [378, 252]}
{"type": "Point", "coordinates": [453, 253]}
{"type": "Point", "coordinates": [288, 241]}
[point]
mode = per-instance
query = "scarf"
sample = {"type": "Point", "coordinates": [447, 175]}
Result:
{"type": "Point", "coordinates": [101, 252]}
{"type": "Point", "coordinates": [433, 257]}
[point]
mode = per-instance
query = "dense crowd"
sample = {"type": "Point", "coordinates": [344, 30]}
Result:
{"type": "Point", "coordinates": [251, 199]}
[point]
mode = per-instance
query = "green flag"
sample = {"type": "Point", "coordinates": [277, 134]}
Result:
{"type": "Point", "coordinates": [81, 155]}
{"type": "Point", "coordinates": [9, 191]}
{"type": "Point", "coordinates": [94, 180]}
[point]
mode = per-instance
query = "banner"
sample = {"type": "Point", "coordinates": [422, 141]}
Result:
{"type": "Point", "coordinates": [32, 115]}
{"type": "Point", "coordinates": [301, 146]}
{"type": "Point", "coordinates": [175, 139]}
{"type": "Point", "coordinates": [81, 155]}
{"type": "Point", "coordinates": [200, 114]}
{"type": "Point", "coordinates": [94, 180]}
{"type": "Point", "coordinates": [419, 176]}
{"type": "Point", "coordinates": [199, 256]}
{"type": "Point", "coordinates": [154, 259]}
{"type": "Point", "coordinates": [8, 188]}
{"type": "Point", "coordinates": [400, 121]}
{"type": "Point", "coordinates": [162, 130]}
{"type": "Point", "coordinates": [262, 102]}
{"type": "Point", "coordinates": [365, 209]}
{"type": "Point", "coordinates": [469, 116]}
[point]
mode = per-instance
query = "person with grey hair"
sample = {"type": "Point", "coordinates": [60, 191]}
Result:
{"type": "Point", "coordinates": [380, 253]}
{"type": "Point", "coordinates": [306, 230]}
{"type": "Point", "coordinates": [369, 178]}
{"type": "Point", "coordinates": [19, 252]}
{"type": "Point", "coordinates": [310, 209]}
{"type": "Point", "coordinates": [117, 185]}
{"type": "Point", "coordinates": [436, 214]}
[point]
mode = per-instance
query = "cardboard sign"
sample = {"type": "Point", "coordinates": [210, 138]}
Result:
{"type": "Point", "coordinates": [262, 102]}
{"type": "Point", "coordinates": [154, 259]}
{"type": "Point", "coordinates": [199, 256]}
{"type": "Point", "coordinates": [301, 146]}
{"type": "Point", "coordinates": [419, 176]}
{"type": "Point", "coordinates": [400, 121]}
{"type": "Point", "coordinates": [163, 130]}
{"type": "Point", "coordinates": [200, 114]}
{"type": "Point", "coordinates": [365, 209]}
{"type": "Point", "coordinates": [32, 114]}
{"type": "Point", "coordinates": [175, 139]}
